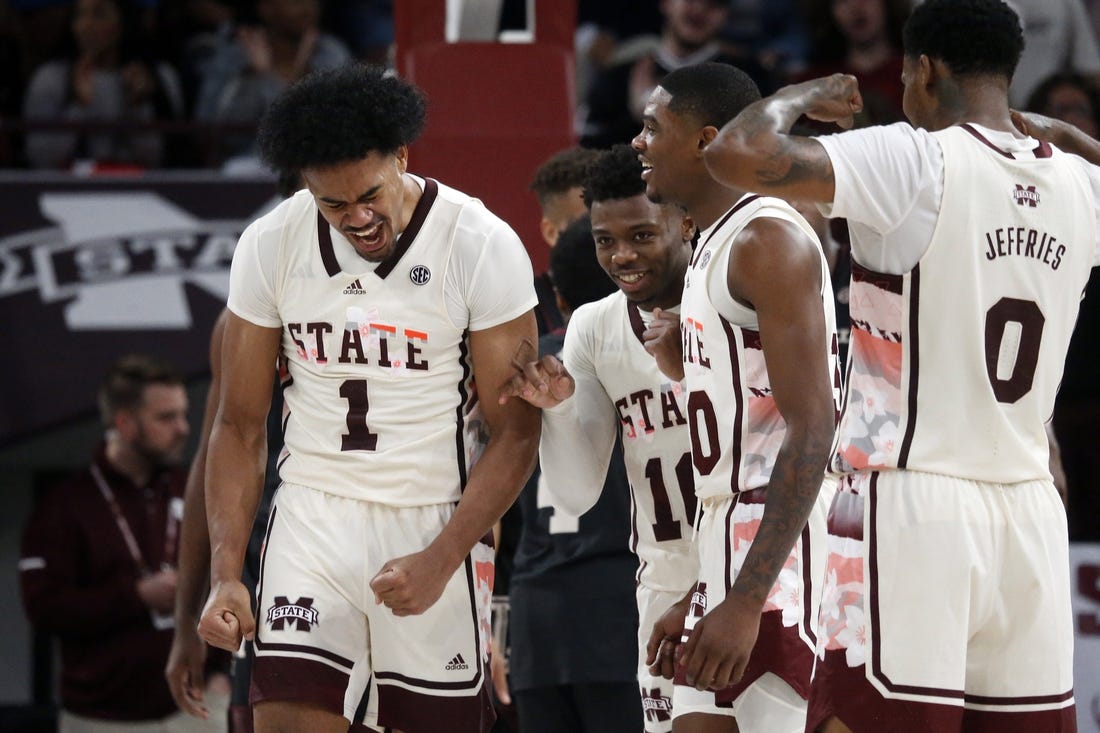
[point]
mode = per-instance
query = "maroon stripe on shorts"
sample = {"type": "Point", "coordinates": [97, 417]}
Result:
{"type": "Point", "coordinates": [845, 693]}
{"type": "Point", "coordinates": [286, 679]}
{"type": "Point", "coordinates": [407, 710]}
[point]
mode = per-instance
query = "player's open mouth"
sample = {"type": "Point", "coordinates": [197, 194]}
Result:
{"type": "Point", "coordinates": [647, 168]}
{"type": "Point", "coordinates": [369, 239]}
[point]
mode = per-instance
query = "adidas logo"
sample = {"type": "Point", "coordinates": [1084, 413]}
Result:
{"type": "Point", "coordinates": [356, 288]}
{"type": "Point", "coordinates": [457, 663]}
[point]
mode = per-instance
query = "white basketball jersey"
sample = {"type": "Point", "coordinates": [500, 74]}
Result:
{"type": "Point", "coordinates": [605, 353]}
{"type": "Point", "coordinates": [955, 365]}
{"type": "Point", "coordinates": [736, 428]}
{"type": "Point", "coordinates": [379, 399]}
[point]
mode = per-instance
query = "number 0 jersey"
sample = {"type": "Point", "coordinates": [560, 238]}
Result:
{"type": "Point", "coordinates": [736, 428]}
{"type": "Point", "coordinates": [379, 396]}
{"type": "Point", "coordinates": [955, 359]}
{"type": "Point", "coordinates": [619, 389]}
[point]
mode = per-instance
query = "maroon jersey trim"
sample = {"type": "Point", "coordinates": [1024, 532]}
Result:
{"type": "Point", "coordinates": [721, 222]}
{"type": "Point", "coordinates": [891, 283]}
{"type": "Point", "coordinates": [914, 367]}
{"type": "Point", "coordinates": [420, 213]}
{"type": "Point", "coordinates": [982, 139]}
{"type": "Point", "coordinates": [637, 325]}
{"type": "Point", "coordinates": [1042, 150]}
{"type": "Point", "coordinates": [739, 400]}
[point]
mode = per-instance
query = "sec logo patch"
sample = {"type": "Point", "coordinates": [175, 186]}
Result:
{"type": "Point", "coordinates": [420, 275]}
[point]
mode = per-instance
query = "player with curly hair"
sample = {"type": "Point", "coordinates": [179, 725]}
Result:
{"type": "Point", "coordinates": [946, 604]}
{"type": "Point", "coordinates": [383, 295]}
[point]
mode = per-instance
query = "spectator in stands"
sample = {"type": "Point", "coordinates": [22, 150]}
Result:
{"type": "Point", "coordinates": [862, 38]}
{"type": "Point", "coordinates": [366, 26]}
{"type": "Point", "coordinates": [609, 31]}
{"type": "Point", "coordinates": [613, 107]}
{"type": "Point", "coordinates": [1073, 98]}
{"type": "Point", "coordinates": [557, 184]}
{"type": "Point", "coordinates": [194, 31]}
{"type": "Point", "coordinates": [106, 77]}
{"type": "Point", "coordinates": [773, 31]}
{"type": "Point", "coordinates": [1069, 96]}
{"type": "Point", "coordinates": [98, 561]}
{"type": "Point", "coordinates": [1057, 37]}
{"type": "Point", "coordinates": [249, 71]}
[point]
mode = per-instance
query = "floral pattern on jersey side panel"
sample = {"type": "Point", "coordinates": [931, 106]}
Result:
{"type": "Point", "coordinates": [764, 426]}
{"type": "Point", "coordinates": [786, 596]}
{"type": "Point", "coordinates": [843, 622]}
{"type": "Point", "coordinates": [483, 558]}
{"type": "Point", "coordinates": [870, 431]}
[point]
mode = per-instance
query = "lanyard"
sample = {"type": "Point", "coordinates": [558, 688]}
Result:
{"type": "Point", "coordinates": [170, 529]}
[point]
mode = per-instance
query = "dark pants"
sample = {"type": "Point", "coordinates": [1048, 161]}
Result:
{"type": "Point", "coordinates": [596, 707]}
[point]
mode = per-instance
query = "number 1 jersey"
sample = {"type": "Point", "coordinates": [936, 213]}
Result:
{"type": "Point", "coordinates": [380, 403]}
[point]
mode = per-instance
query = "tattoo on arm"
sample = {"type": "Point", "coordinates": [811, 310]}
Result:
{"type": "Point", "coordinates": [795, 482]}
{"type": "Point", "coordinates": [795, 161]}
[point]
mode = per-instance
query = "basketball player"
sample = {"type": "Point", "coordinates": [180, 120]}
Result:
{"type": "Point", "coordinates": [608, 386]}
{"type": "Point", "coordinates": [759, 359]}
{"type": "Point", "coordinates": [947, 601]}
{"type": "Point", "coordinates": [384, 295]}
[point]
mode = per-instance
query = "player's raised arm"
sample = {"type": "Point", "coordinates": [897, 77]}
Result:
{"type": "Point", "coordinates": [756, 152]}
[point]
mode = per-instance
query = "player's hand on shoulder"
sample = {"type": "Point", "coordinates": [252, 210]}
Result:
{"type": "Point", "coordinates": [662, 341]}
{"type": "Point", "coordinates": [184, 671]}
{"type": "Point", "coordinates": [544, 382]}
{"type": "Point", "coordinates": [662, 650]}
{"type": "Point", "coordinates": [1035, 125]}
{"type": "Point", "coordinates": [227, 617]}
{"type": "Point", "coordinates": [410, 585]}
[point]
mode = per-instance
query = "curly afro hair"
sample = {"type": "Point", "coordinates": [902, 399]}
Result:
{"type": "Point", "coordinates": [561, 172]}
{"type": "Point", "coordinates": [340, 115]}
{"type": "Point", "coordinates": [973, 37]}
{"type": "Point", "coordinates": [615, 174]}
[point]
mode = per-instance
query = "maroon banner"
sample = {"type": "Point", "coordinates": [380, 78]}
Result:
{"type": "Point", "coordinates": [92, 268]}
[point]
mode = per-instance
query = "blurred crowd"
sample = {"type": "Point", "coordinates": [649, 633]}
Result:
{"type": "Point", "coordinates": [104, 85]}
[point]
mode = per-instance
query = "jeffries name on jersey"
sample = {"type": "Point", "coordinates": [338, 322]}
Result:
{"type": "Point", "coordinates": [1005, 241]}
